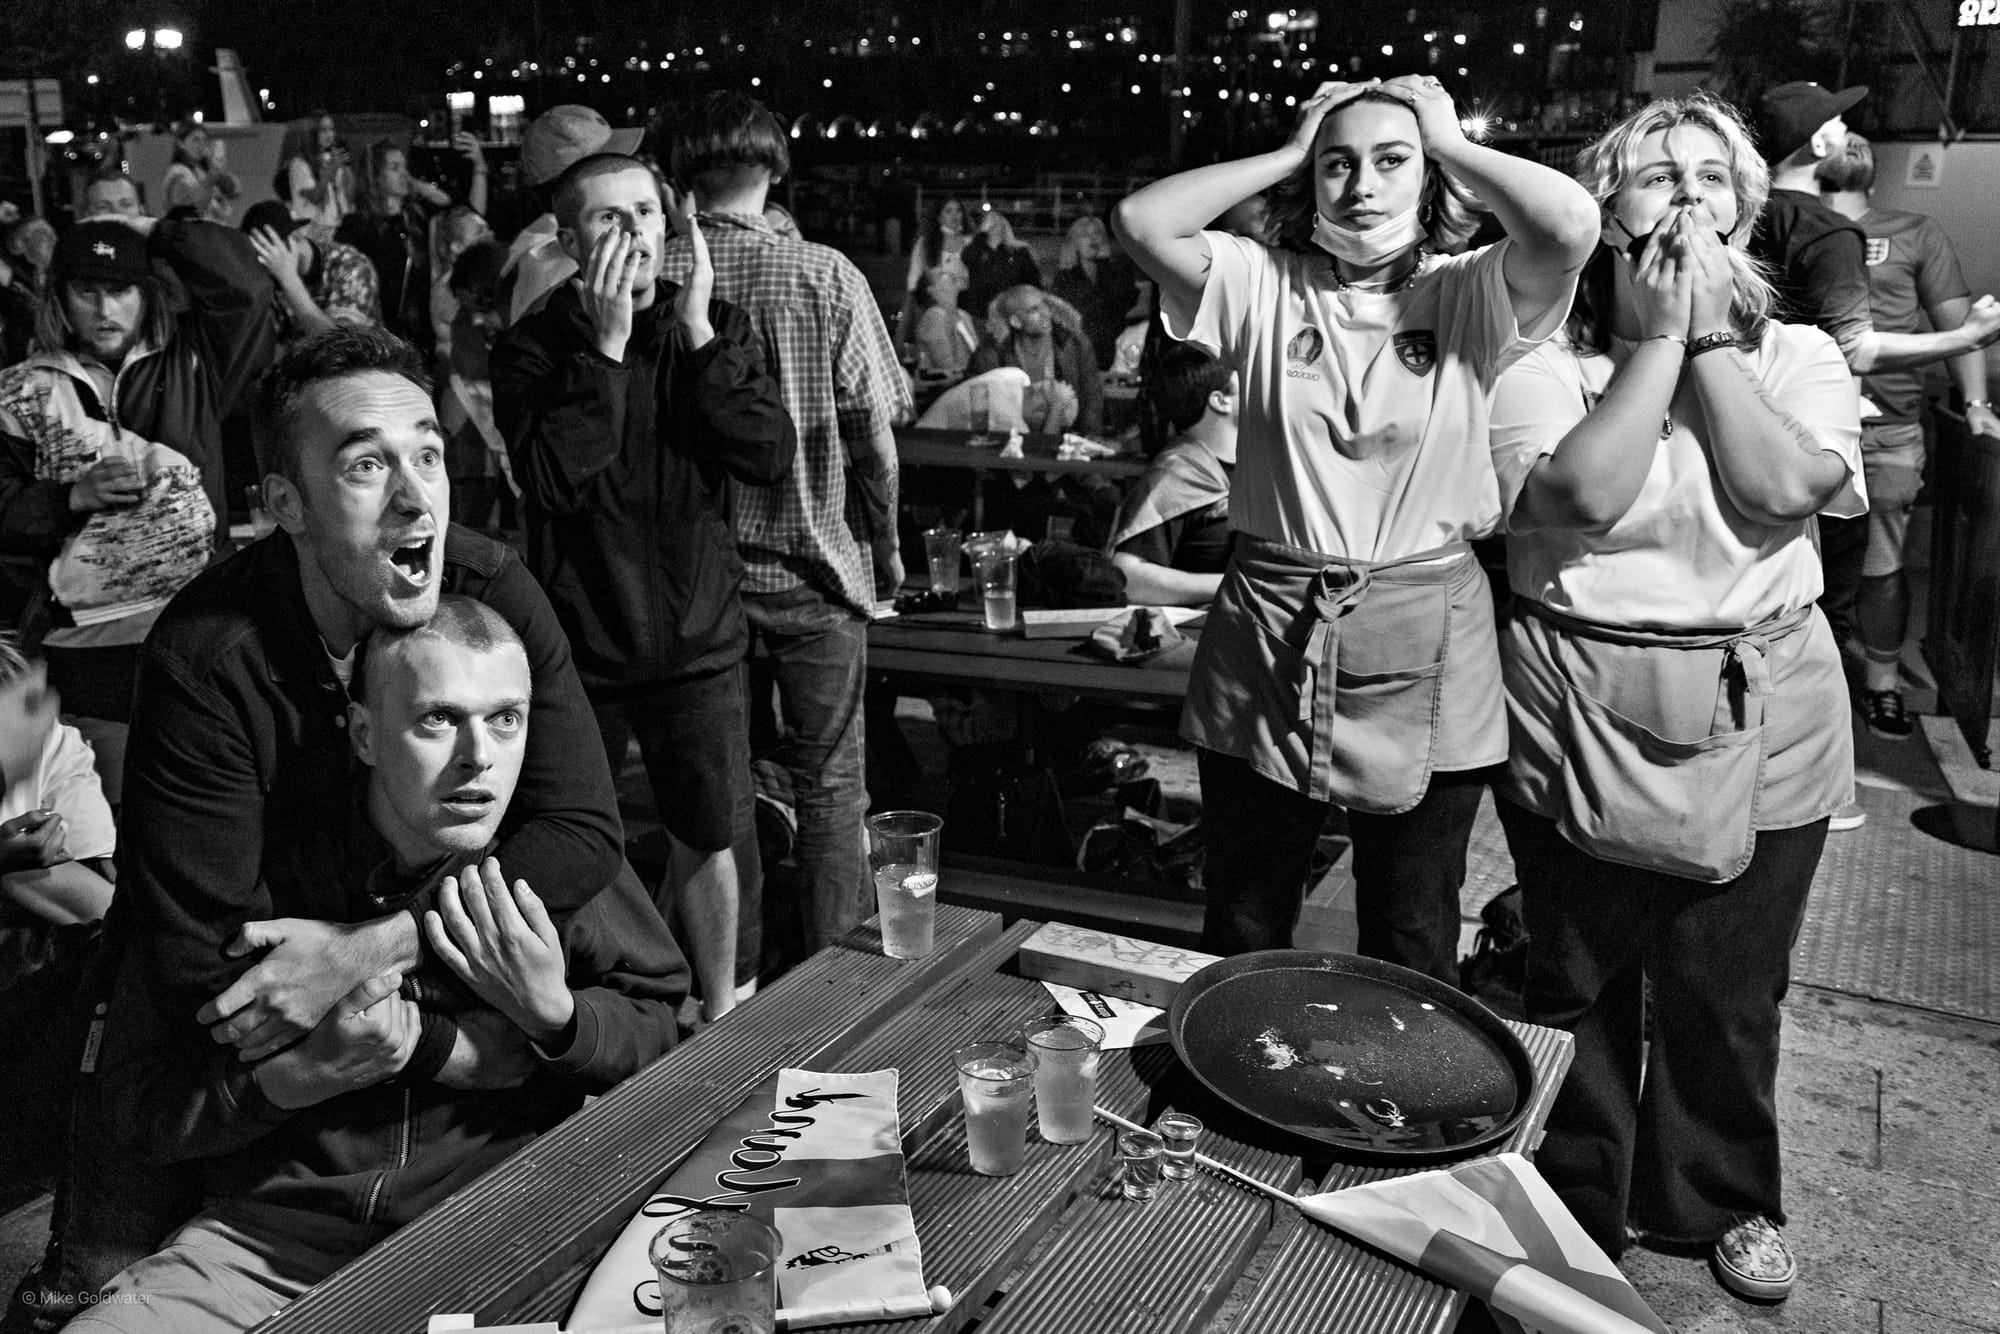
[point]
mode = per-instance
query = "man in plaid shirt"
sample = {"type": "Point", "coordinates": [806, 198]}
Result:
{"type": "Point", "coordinates": [820, 546]}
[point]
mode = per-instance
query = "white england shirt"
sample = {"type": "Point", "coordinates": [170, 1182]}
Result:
{"type": "Point", "coordinates": [1364, 414]}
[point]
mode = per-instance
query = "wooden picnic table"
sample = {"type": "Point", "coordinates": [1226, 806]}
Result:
{"type": "Point", "coordinates": [1052, 1250]}
{"type": "Point", "coordinates": [956, 648]}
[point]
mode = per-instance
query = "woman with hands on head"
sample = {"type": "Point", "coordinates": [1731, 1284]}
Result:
{"type": "Point", "coordinates": [1677, 708]}
{"type": "Point", "coordinates": [1349, 657]}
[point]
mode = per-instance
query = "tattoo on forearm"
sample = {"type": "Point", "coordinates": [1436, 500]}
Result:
{"type": "Point", "coordinates": [1801, 436]}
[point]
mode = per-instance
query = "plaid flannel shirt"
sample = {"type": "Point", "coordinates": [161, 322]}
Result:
{"type": "Point", "coordinates": [825, 340]}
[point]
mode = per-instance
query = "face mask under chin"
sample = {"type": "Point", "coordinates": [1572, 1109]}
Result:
{"type": "Point", "coordinates": [1376, 245]}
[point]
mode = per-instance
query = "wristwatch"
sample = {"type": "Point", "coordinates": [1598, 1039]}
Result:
{"type": "Point", "coordinates": [1708, 342]}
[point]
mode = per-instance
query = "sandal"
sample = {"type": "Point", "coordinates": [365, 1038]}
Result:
{"type": "Point", "coordinates": [1752, 1260]}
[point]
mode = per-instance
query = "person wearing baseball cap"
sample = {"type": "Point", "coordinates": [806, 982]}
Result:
{"type": "Point", "coordinates": [125, 438]}
{"type": "Point", "coordinates": [554, 142]}
{"type": "Point", "coordinates": [320, 283]}
{"type": "Point", "coordinates": [1817, 261]}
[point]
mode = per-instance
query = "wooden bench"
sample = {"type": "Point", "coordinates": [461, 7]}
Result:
{"type": "Point", "coordinates": [1051, 894]}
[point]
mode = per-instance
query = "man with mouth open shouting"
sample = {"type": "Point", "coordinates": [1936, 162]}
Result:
{"type": "Point", "coordinates": [239, 747]}
{"type": "Point", "coordinates": [415, 1083]}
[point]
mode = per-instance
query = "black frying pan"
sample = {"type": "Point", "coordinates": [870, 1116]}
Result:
{"type": "Point", "coordinates": [1378, 1060]}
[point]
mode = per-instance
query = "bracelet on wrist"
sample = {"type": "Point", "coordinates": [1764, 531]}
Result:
{"type": "Point", "coordinates": [1664, 338]}
{"type": "Point", "coordinates": [1972, 403]}
{"type": "Point", "coordinates": [1708, 342]}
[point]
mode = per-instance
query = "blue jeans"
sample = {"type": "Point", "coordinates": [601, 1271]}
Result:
{"type": "Point", "coordinates": [1677, 1136]}
{"type": "Point", "coordinates": [814, 652]}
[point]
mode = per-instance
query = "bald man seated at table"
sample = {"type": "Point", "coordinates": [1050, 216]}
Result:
{"type": "Point", "coordinates": [1171, 535]}
{"type": "Point", "coordinates": [410, 1088]}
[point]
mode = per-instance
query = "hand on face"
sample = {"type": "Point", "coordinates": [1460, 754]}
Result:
{"type": "Point", "coordinates": [606, 288]}
{"type": "Point", "coordinates": [1713, 282]}
{"type": "Point", "coordinates": [1663, 280]}
{"type": "Point", "coordinates": [691, 304]}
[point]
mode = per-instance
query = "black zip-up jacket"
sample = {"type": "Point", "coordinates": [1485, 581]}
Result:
{"type": "Point", "coordinates": [624, 467]}
{"type": "Point", "coordinates": [386, 1153]}
{"type": "Point", "coordinates": [239, 750]}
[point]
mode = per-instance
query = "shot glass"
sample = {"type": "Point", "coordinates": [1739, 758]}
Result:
{"type": "Point", "coordinates": [941, 549]}
{"type": "Point", "coordinates": [1139, 1153]}
{"type": "Point", "coordinates": [1180, 1132]}
{"type": "Point", "coordinates": [1066, 1054]}
{"type": "Point", "coordinates": [903, 855]}
{"type": "Point", "coordinates": [996, 1080]}
{"type": "Point", "coordinates": [979, 407]}
{"type": "Point", "coordinates": [718, 1270]}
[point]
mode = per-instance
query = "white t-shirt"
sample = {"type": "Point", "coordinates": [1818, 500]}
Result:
{"type": "Point", "coordinates": [1682, 556]}
{"type": "Point", "coordinates": [65, 781]}
{"type": "Point", "coordinates": [1363, 429]}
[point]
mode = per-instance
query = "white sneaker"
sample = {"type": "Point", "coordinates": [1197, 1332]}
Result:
{"type": "Point", "coordinates": [1752, 1260]}
{"type": "Point", "coordinates": [1850, 816]}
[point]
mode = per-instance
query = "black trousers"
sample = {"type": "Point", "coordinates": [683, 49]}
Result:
{"type": "Point", "coordinates": [1679, 1140]}
{"type": "Point", "coordinates": [1843, 546]}
{"type": "Point", "coordinates": [1408, 868]}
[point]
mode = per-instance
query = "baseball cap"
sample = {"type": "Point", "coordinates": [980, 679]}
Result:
{"type": "Point", "coordinates": [101, 251]}
{"type": "Point", "coordinates": [1789, 115]}
{"type": "Point", "coordinates": [563, 136]}
{"type": "Point", "coordinates": [270, 213]}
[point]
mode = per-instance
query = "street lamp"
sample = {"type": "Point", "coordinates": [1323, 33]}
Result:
{"type": "Point", "coordinates": [164, 39]}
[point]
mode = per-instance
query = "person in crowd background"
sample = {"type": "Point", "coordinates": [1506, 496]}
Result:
{"type": "Point", "coordinates": [1171, 533]}
{"type": "Point", "coordinates": [319, 283]}
{"type": "Point", "coordinates": [421, 1078]}
{"type": "Point", "coordinates": [475, 450]}
{"type": "Point", "coordinates": [942, 238]}
{"type": "Point", "coordinates": [198, 183]}
{"type": "Point", "coordinates": [1021, 330]}
{"type": "Point", "coordinates": [819, 547]}
{"type": "Point", "coordinates": [57, 832]}
{"type": "Point", "coordinates": [111, 468]}
{"type": "Point", "coordinates": [1818, 264]}
{"type": "Point", "coordinates": [26, 247]}
{"type": "Point", "coordinates": [1092, 276]}
{"type": "Point", "coordinates": [629, 404]}
{"type": "Point", "coordinates": [1674, 696]}
{"type": "Point", "coordinates": [994, 262]}
{"type": "Point", "coordinates": [391, 225]}
{"type": "Point", "coordinates": [315, 174]}
{"type": "Point", "coordinates": [946, 335]}
{"type": "Point", "coordinates": [110, 190]}
{"type": "Point", "coordinates": [452, 231]}
{"type": "Point", "coordinates": [554, 142]}
{"type": "Point", "coordinates": [1913, 275]}
{"type": "Point", "coordinates": [1365, 350]}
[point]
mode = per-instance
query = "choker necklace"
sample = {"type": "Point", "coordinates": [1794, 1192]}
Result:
{"type": "Point", "coordinates": [1385, 286]}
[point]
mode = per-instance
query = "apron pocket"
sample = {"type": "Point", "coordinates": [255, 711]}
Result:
{"type": "Point", "coordinates": [1630, 796]}
{"type": "Point", "coordinates": [1387, 734]}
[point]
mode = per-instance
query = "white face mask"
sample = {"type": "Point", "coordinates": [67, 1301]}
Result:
{"type": "Point", "coordinates": [1382, 242]}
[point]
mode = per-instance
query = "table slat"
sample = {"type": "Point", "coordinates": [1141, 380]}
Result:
{"type": "Point", "coordinates": [1165, 1265]}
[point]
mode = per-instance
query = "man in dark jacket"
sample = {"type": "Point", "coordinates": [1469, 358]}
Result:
{"type": "Point", "coordinates": [628, 404]}
{"type": "Point", "coordinates": [239, 748]}
{"type": "Point", "coordinates": [416, 1083]}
